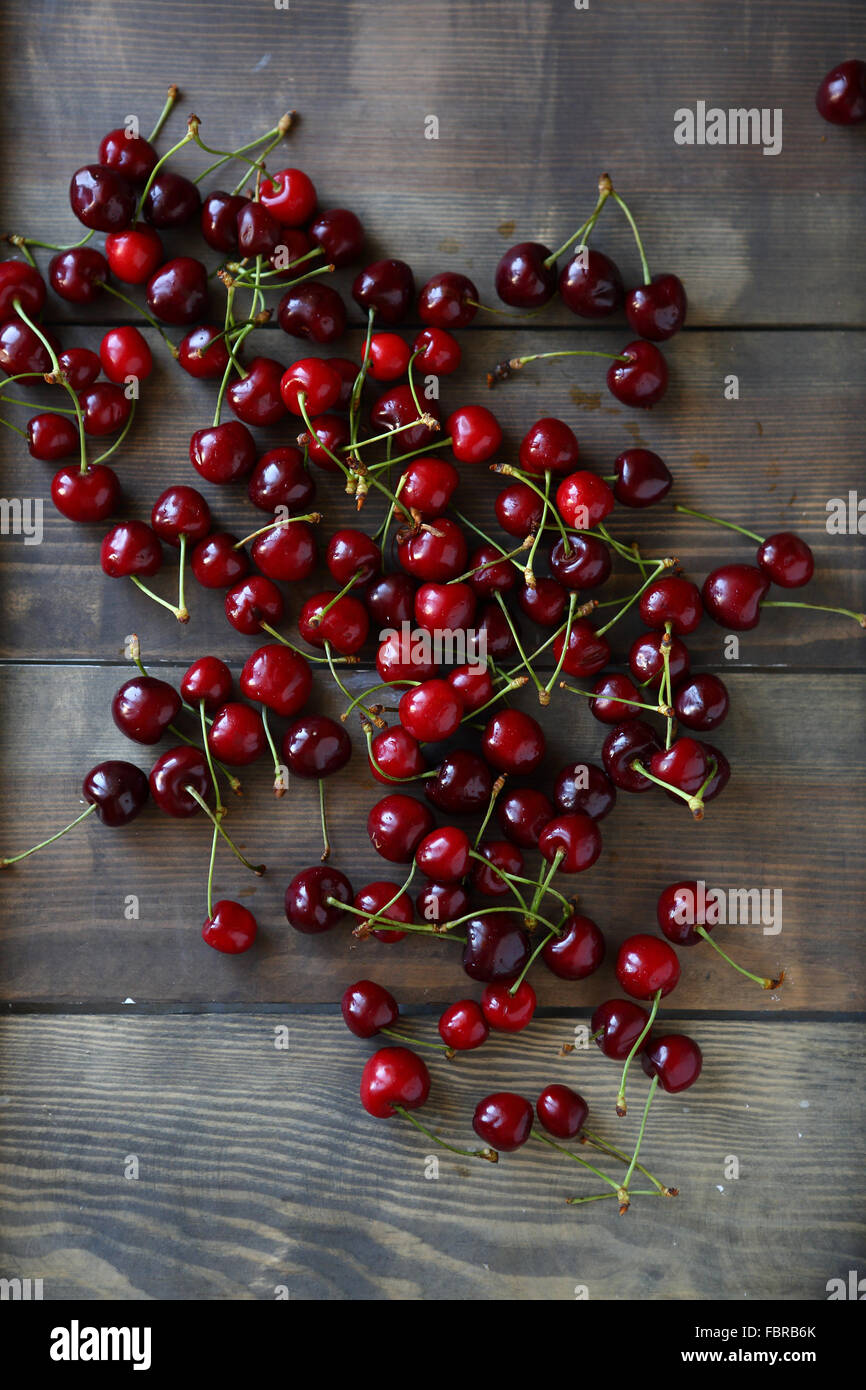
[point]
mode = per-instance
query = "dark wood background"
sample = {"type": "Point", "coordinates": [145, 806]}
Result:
{"type": "Point", "coordinates": [258, 1170]}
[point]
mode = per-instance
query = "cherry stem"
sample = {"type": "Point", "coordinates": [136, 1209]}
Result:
{"type": "Point", "coordinates": [389, 924]}
{"type": "Point", "coordinates": [415, 453]}
{"type": "Point", "coordinates": [33, 405]}
{"type": "Point", "coordinates": [192, 128]}
{"type": "Point", "coordinates": [516, 684]}
{"type": "Point", "coordinates": [181, 615]}
{"type": "Point", "coordinates": [817, 608]}
{"type": "Point", "coordinates": [517, 362]}
{"type": "Point", "coordinates": [665, 564]}
{"type": "Point", "coordinates": [510, 472]}
{"type": "Point", "coordinates": [528, 574]}
{"type": "Point", "coordinates": [418, 1042]}
{"type": "Point", "coordinates": [278, 637]}
{"type": "Point", "coordinates": [171, 97]}
{"type": "Point", "coordinates": [213, 845]}
{"type": "Point", "coordinates": [145, 314]}
{"type": "Point", "coordinates": [279, 782]}
{"type": "Point", "coordinates": [551, 936]}
{"type": "Point", "coordinates": [585, 230]}
{"type": "Point", "coordinates": [602, 1196]}
{"type": "Point", "coordinates": [631, 222]}
{"type": "Point", "coordinates": [250, 145]}
{"type": "Point", "coordinates": [758, 979]}
{"type": "Point", "coordinates": [489, 564]}
{"type": "Point", "coordinates": [257, 869]}
{"type": "Point", "coordinates": [596, 1142]}
{"type": "Point", "coordinates": [560, 1148]}
{"type": "Point", "coordinates": [326, 844]}
{"type": "Point", "coordinates": [16, 428]}
{"type": "Point", "coordinates": [358, 383]}
{"type": "Point", "coordinates": [494, 793]}
{"type": "Point", "coordinates": [313, 517]}
{"type": "Point", "coordinates": [621, 1108]}
{"type": "Point", "coordinates": [507, 878]}
{"type": "Point", "coordinates": [490, 1154]}
{"type": "Point", "coordinates": [320, 613]}
{"type": "Point", "coordinates": [22, 243]}
{"type": "Point", "coordinates": [358, 703]}
{"type": "Point", "coordinates": [232, 362]}
{"type": "Point", "coordinates": [717, 521]}
{"type": "Point", "coordinates": [489, 539]}
{"type": "Point", "coordinates": [13, 859]}
{"type": "Point", "coordinates": [234, 782]}
{"type": "Point", "coordinates": [386, 776]}
{"type": "Point", "coordinates": [118, 441]}
{"type": "Point", "coordinates": [61, 377]}
{"type": "Point", "coordinates": [631, 1167]}
{"type": "Point", "coordinates": [619, 699]}
{"type": "Point", "coordinates": [182, 610]}
{"type": "Point", "coordinates": [220, 809]}
{"type": "Point", "coordinates": [524, 658]}
{"type": "Point", "coordinates": [542, 886]}
{"type": "Point", "coordinates": [572, 600]}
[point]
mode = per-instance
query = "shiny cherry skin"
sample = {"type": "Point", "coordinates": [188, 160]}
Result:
{"type": "Point", "coordinates": [172, 200]}
{"type": "Point", "coordinates": [81, 366]}
{"type": "Point", "coordinates": [352, 555]}
{"type": "Point", "coordinates": [251, 602]}
{"type": "Point", "coordinates": [83, 497]}
{"type": "Point", "coordinates": [384, 899]}
{"type": "Point", "coordinates": [237, 734]}
{"type": "Point", "coordinates": [431, 711]}
{"type": "Point", "coordinates": [52, 437]}
{"type": "Point", "coordinates": [642, 478]}
{"type": "Point", "coordinates": [679, 911]}
{"type": "Point", "coordinates": [442, 902]}
{"type": "Point", "coordinates": [463, 1026]}
{"type": "Point", "coordinates": [290, 196]}
{"type": "Point", "coordinates": [475, 434]}
{"type": "Point", "coordinates": [256, 397]}
{"type": "Point", "coordinates": [441, 607]}
{"type": "Point", "coordinates": [787, 559]}
{"type": "Point", "coordinates": [329, 437]}
{"type": "Point", "coordinates": [347, 371]}
{"type": "Point", "coordinates": [522, 279]}
{"type": "Point", "coordinates": [437, 554]}
{"type": "Point", "coordinates": [507, 1012]}
{"type": "Point", "coordinates": [219, 219]}
{"type": "Point", "coordinates": [367, 1008]}
{"type": "Point", "coordinates": [702, 702]}
{"type": "Point", "coordinates": [672, 600]}
{"type": "Point", "coordinates": [223, 453]}
{"type": "Point", "coordinates": [550, 446]}
{"type": "Point", "coordinates": [841, 97]}
{"type": "Point", "coordinates": [493, 636]}
{"type": "Point", "coordinates": [280, 479]}
{"type": "Point", "coordinates": [585, 788]}
{"type": "Point", "coordinates": [449, 300]}
{"type": "Point", "coordinates": [307, 907]}
{"type": "Point", "coordinates": [658, 310]}
{"type": "Point", "coordinates": [170, 776]}
{"type": "Point", "coordinates": [586, 564]}
{"type": "Point", "coordinates": [277, 677]}
{"type": "Point", "coordinates": [645, 965]}
{"type": "Point", "coordinates": [134, 254]}
{"type": "Point", "coordinates": [397, 663]}
{"type": "Point", "coordinates": [208, 679]}
{"type": "Point", "coordinates": [428, 486]}
{"type": "Point", "coordinates": [732, 596]}
{"type": "Point", "coordinates": [544, 602]}
{"type": "Point", "coordinates": [177, 293]}
{"type": "Point", "coordinates": [315, 380]}
{"type": "Point", "coordinates": [202, 353]}
{"type": "Point", "coordinates": [119, 791]}
{"type": "Point", "coordinates": [396, 826]}
{"type": "Point", "coordinates": [258, 231]}
{"type": "Point", "coordinates": [575, 837]}
{"type": "Point", "coordinates": [502, 857]}
{"type": "Point", "coordinates": [722, 774]}
{"type": "Point", "coordinates": [396, 409]}
{"type": "Point", "coordinates": [105, 408]}
{"type": "Point", "coordinates": [591, 285]}
{"type": "Point", "coordinates": [561, 1111]}
{"type": "Point", "coordinates": [642, 379]}
{"type": "Point", "coordinates": [577, 952]}
{"type": "Point", "coordinates": [462, 784]}
{"type": "Point", "coordinates": [144, 707]}
{"type": "Point", "coordinates": [612, 695]}
{"type": "Point", "coordinates": [632, 742]}
{"type": "Point", "coordinates": [316, 746]}
{"type": "Point", "coordinates": [518, 510]}
{"type": "Point", "coordinates": [130, 547]}
{"type": "Point", "coordinates": [388, 287]}
{"type": "Point", "coordinates": [513, 742]}
{"type": "Point", "coordinates": [503, 1120]}
{"type": "Point", "coordinates": [78, 275]}
{"type": "Point", "coordinates": [398, 755]}
{"type": "Point", "coordinates": [124, 354]}
{"type": "Point", "coordinates": [21, 351]}
{"type": "Point", "coordinates": [287, 553]}
{"type": "Point", "coordinates": [101, 198]}
{"type": "Point", "coordinates": [583, 500]}
{"type": "Point", "coordinates": [231, 928]}
{"type": "Point", "coordinates": [390, 600]}
{"type": "Point", "coordinates": [344, 626]}
{"type": "Point", "coordinates": [22, 281]}
{"type": "Point", "coordinates": [437, 352]}
{"type": "Point", "coordinates": [389, 356]}
{"type": "Point", "coordinates": [130, 155]}
{"type": "Point", "coordinates": [314, 311]}
{"type": "Point", "coordinates": [646, 661]}
{"type": "Point", "coordinates": [523, 812]}
{"type": "Point", "coordinates": [180, 511]}
{"type": "Point", "coordinates": [217, 563]}
{"type": "Point", "coordinates": [675, 1059]}
{"type": "Point", "coordinates": [683, 765]}
{"type": "Point", "coordinates": [340, 234]}
{"type": "Point", "coordinates": [496, 950]}
{"type": "Point", "coordinates": [620, 1023]}
{"type": "Point", "coordinates": [393, 1076]}
{"type": "Point", "coordinates": [587, 651]}
{"type": "Point", "coordinates": [444, 854]}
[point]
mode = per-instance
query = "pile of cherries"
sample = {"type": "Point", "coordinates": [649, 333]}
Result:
{"type": "Point", "coordinates": [420, 578]}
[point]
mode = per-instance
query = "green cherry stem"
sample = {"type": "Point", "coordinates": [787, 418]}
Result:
{"type": "Point", "coordinates": [604, 192]}
{"type": "Point", "coordinates": [631, 222]}
{"type": "Point", "coordinates": [649, 1100]}
{"type": "Point", "coordinates": [60, 376]}
{"type": "Point", "coordinates": [596, 1142]}
{"type": "Point", "coordinates": [519, 645]}
{"type": "Point", "coordinates": [490, 1154]}
{"type": "Point", "coordinates": [620, 700]}
{"type": "Point", "coordinates": [257, 869]}
{"type": "Point", "coordinates": [213, 845]}
{"type": "Point", "coordinates": [386, 776]}
{"type": "Point", "coordinates": [560, 1148]}
{"type": "Point", "coordinates": [666, 564]}
{"type": "Point", "coordinates": [544, 696]}
{"type": "Point", "coordinates": [14, 859]}
{"type": "Point", "coordinates": [817, 608]}
{"type": "Point", "coordinates": [313, 517]}
{"type": "Point", "coordinates": [717, 521]}
{"type": "Point", "coordinates": [506, 878]}
{"type": "Point", "coordinates": [761, 980]}
{"type": "Point", "coordinates": [171, 97]}
{"type": "Point", "coordinates": [120, 438]}
{"type": "Point", "coordinates": [621, 1108]}
{"type": "Point", "coordinates": [494, 793]}
{"type": "Point", "coordinates": [280, 787]}
{"type": "Point", "coordinates": [219, 809]}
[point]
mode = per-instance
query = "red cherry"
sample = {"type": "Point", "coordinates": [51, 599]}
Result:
{"type": "Point", "coordinates": [177, 293]}
{"type": "Point", "coordinates": [437, 552]}
{"type": "Point", "coordinates": [314, 379]}
{"type": "Point", "coordinates": [223, 453]}
{"type": "Point", "coordinates": [645, 965]}
{"type": "Point", "coordinates": [367, 1008]}
{"type": "Point", "coordinates": [444, 854]}
{"type": "Point", "coordinates": [442, 902]}
{"type": "Point", "coordinates": [352, 555]}
{"type": "Point", "coordinates": [396, 409]}
{"type": "Point", "coordinates": [675, 1059]}
{"type": "Point", "coordinates": [507, 1012]}
{"type": "Point", "coordinates": [314, 311]}
{"type": "Point", "coordinates": [642, 478]}
{"type": "Point", "coordinates": [475, 434]}
{"type": "Point", "coordinates": [134, 254]}
{"type": "Point", "coordinates": [561, 1111]}
{"type": "Point", "coordinates": [587, 651]}
{"type": "Point", "coordinates": [328, 437]}
{"type": "Point", "coordinates": [308, 909]}
{"type": "Point", "coordinates": [428, 485]}
{"type": "Point", "coordinates": [286, 553]}
{"type": "Point", "coordinates": [518, 510]}
{"type": "Point", "coordinates": [624, 745]}
{"type": "Point", "coordinates": [389, 356]}
{"type": "Point", "coordinates": [444, 607]}
{"type": "Point", "coordinates": [523, 812]}
{"type": "Point", "coordinates": [388, 287]}
{"type": "Point", "coordinates": [78, 275]}
{"type": "Point", "coordinates": [390, 600]}
{"type": "Point", "coordinates": [642, 379]}
{"type": "Point", "coordinates": [398, 663]}
{"type": "Point", "coordinates": [290, 196]}
{"type": "Point", "coordinates": [672, 600]}
{"type": "Point", "coordinates": [544, 602]}
{"type": "Point", "coordinates": [21, 281]}
{"type": "Point", "coordinates": [398, 754]}
{"type": "Point", "coordinates": [144, 707]}
{"type": "Point", "coordinates": [124, 353]}
{"type": "Point", "coordinates": [491, 574]}
{"type": "Point", "coordinates": [393, 1076]}
{"type": "Point", "coordinates": [448, 300]}
{"type": "Point", "coordinates": [21, 351]}
{"type": "Point", "coordinates": [463, 1026]}
{"type": "Point", "coordinates": [522, 278]}
{"type": "Point", "coordinates": [101, 198]}
{"type": "Point", "coordinates": [462, 784]}
{"type": "Point", "coordinates": [732, 596]}
{"type": "Point", "coordinates": [219, 219]}
{"type": "Point", "coordinates": [683, 765]}
{"type": "Point", "coordinates": [613, 693]}
{"type": "Point", "coordinates": [256, 397]}
{"type": "Point", "coordinates": [437, 352]}
{"type": "Point", "coordinates": [787, 559]}
{"type": "Point", "coordinates": [841, 97]}
{"type": "Point", "coordinates": [344, 626]}
{"type": "Point", "coordinates": [251, 602]}
{"type": "Point", "coordinates": [180, 511]}
{"type": "Point", "coordinates": [620, 1023]}
{"type": "Point", "coordinates": [513, 742]}
{"type": "Point", "coordinates": [81, 366]}
{"type": "Point", "coordinates": [583, 500]}
{"type": "Point", "coordinates": [277, 677]}
{"type": "Point", "coordinates": [130, 155]}
{"type": "Point", "coordinates": [647, 662]}
{"type": "Point", "coordinates": [431, 711]}
{"type": "Point", "coordinates": [591, 285]}
{"type": "Point", "coordinates": [340, 235]}
{"type": "Point", "coordinates": [702, 702]}
{"type": "Point", "coordinates": [383, 899]}
{"type": "Point", "coordinates": [396, 826]}
{"type": "Point", "coordinates": [682, 907]}
{"type": "Point", "coordinates": [586, 564]}
{"type": "Point", "coordinates": [550, 446]}
{"type": "Point", "coordinates": [170, 776]}
{"type": "Point", "coordinates": [280, 479]}
{"type": "Point", "coordinates": [259, 232]}
{"type": "Point", "coordinates": [83, 497]}
{"type": "Point", "coordinates": [207, 679]}
{"type": "Point", "coordinates": [586, 788]}
{"type": "Point", "coordinates": [502, 858]}
{"type": "Point", "coordinates": [496, 949]}
{"type": "Point", "coordinates": [231, 928]}
{"type": "Point", "coordinates": [577, 952]}
{"type": "Point", "coordinates": [348, 373]}
{"type": "Point", "coordinates": [130, 547]}
{"type": "Point", "coordinates": [51, 437]}
{"type": "Point", "coordinates": [503, 1120]}
{"type": "Point", "coordinates": [104, 408]}
{"type": "Point", "coordinates": [575, 837]}
{"type": "Point", "coordinates": [473, 684]}
{"type": "Point", "coordinates": [237, 735]}
{"type": "Point", "coordinates": [657, 310]}
{"type": "Point", "coordinates": [172, 200]}
{"type": "Point", "coordinates": [316, 746]}
{"type": "Point", "coordinates": [203, 353]}
{"type": "Point", "coordinates": [217, 563]}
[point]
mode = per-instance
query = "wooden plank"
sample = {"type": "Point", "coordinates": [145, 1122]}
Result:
{"type": "Point", "coordinates": [65, 937]}
{"type": "Point", "coordinates": [752, 461]}
{"type": "Point", "coordinates": [258, 1170]}
{"type": "Point", "coordinates": [531, 108]}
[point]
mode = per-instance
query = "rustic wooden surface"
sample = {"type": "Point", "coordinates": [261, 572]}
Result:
{"type": "Point", "coordinates": [258, 1167]}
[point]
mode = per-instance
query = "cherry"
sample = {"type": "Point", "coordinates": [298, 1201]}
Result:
{"type": "Point", "coordinates": [316, 746]}
{"type": "Point", "coordinates": [387, 287]}
{"type": "Point", "coordinates": [550, 446]}
{"type": "Point", "coordinates": [577, 952]}
{"type": "Point", "coordinates": [585, 565]}
{"type": "Point", "coordinates": [672, 600]}
{"type": "Point", "coordinates": [125, 355]}
{"type": "Point", "coordinates": [497, 949]}
{"type": "Point", "coordinates": [437, 552]}
{"type": "Point", "coordinates": [223, 453]}
{"type": "Point", "coordinates": [203, 353]}
{"type": "Point", "coordinates": [444, 854]}
{"type": "Point", "coordinates": [207, 680]}
{"type": "Point", "coordinates": [340, 235]}
{"type": "Point", "coordinates": [101, 198]}
{"type": "Point", "coordinates": [396, 826]}
{"type": "Point", "coordinates": [444, 607]}
{"type": "Point", "coordinates": [722, 774]}
{"type": "Point", "coordinates": [170, 776]}
{"type": "Point", "coordinates": [787, 559]}
{"type": "Point", "coordinates": [171, 200]}
{"type": "Point", "coordinates": [381, 899]}
{"type": "Point", "coordinates": [507, 1012]}
{"type": "Point", "coordinates": [431, 711]}
{"type": "Point", "coordinates": [397, 662]}
{"type": "Point", "coordinates": [21, 281]}
{"type": "Point", "coordinates": [219, 219]}
{"type": "Point", "coordinates": [575, 839]}
{"type": "Point", "coordinates": [344, 626]}
{"type": "Point", "coordinates": [475, 434]}
{"type": "Point", "coordinates": [78, 275]}
{"type": "Point", "coordinates": [348, 373]}
{"type": "Point", "coordinates": [80, 365]}
{"type": "Point", "coordinates": [259, 232]}
{"type": "Point", "coordinates": [309, 908]}
{"type": "Point", "coordinates": [313, 311]}
{"type": "Point", "coordinates": [642, 379]}
{"type": "Point", "coordinates": [518, 510]}
{"type": "Point", "coordinates": [463, 1026]}
{"type": "Point", "coordinates": [583, 500]}
{"type": "Point", "coordinates": [436, 352]}
{"type": "Point", "coordinates": [396, 409]}
{"type": "Point", "coordinates": [523, 813]}
{"type": "Point", "coordinates": [105, 408]}
{"type": "Point", "coordinates": [390, 600]}
{"type": "Point", "coordinates": [389, 356]}
{"type": "Point", "coordinates": [612, 696]}
{"type": "Point", "coordinates": [442, 902]}
{"type": "Point", "coordinates": [513, 742]}
{"type": "Point", "coordinates": [290, 196]}
{"type": "Point", "coordinates": [647, 662]}
{"type": "Point", "coordinates": [277, 677]}
{"type": "Point", "coordinates": [251, 602]}
{"type": "Point", "coordinates": [679, 912]}
{"type": "Point", "coordinates": [732, 596]}
{"type": "Point", "coordinates": [448, 300]}
{"type": "Point", "coordinates": [462, 784]}
{"type": "Point", "coordinates": [591, 285]}
{"type": "Point", "coordinates": [841, 97]}
{"type": "Point", "coordinates": [51, 437]}
{"type": "Point", "coordinates": [177, 293]}
{"type": "Point", "coordinates": [217, 563]}
{"type": "Point", "coordinates": [130, 155]}
{"type": "Point", "coordinates": [352, 556]}
{"type": "Point", "coordinates": [503, 1120]}
{"type": "Point", "coordinates": [642, 478]}
{"type": "Point", "coordinates": [522, 278]}
{"type": "Point", "coordinates": [230, 928]}
{"type": "Point", "coordinates": [89, 496]}
{"type": "Point", "coordinates": [675, 1059]}
{"type": "Point", "coordinates": [256, 397]}
{"type": "Point", "coordinates": [237, 735]}
{"type": "Point", "coordinates": [130, 547]}
{"type": "Point", "coordinates": [503, 858]}
{"type": "Point", "coordinates": [398, 754]}
{"type": "Point", "coordinates": [585, 788]}
{"type": "Point", "coordinates": [144, 707]}
{"type": "Point", "coordinates": [393, 1076]}
{"type": "Point", "coordinates": [493, 637]}
{"type": "Point", "coordinates": [561, 1111]}
{"type": "Point", "coordinates": [134, 254]}
{"type": "Point", "coordinates": [428, 485]}
{"type": "Point", "coordinates": [368, 1008]}
{"type": "Point", "coordinates": [180, 511]}
{"type": "Point", "coordinates": [618, 1024]}
{"type": "Point", "coordinates": [280, 479]}
{"type": "Point", "coordinates": [544, 602]}
{"type": "Point", "coordinates": [587, 650]}
{"type": "Point", "coordinates": [701, 703]}
{"type": "Point", "coordinates": [21, 351]}
{"type": "Point", "coordinates": [683, 765]}
{"type": "Point", "coordinates": [657, 310]}
{"type": "Point", "coordinates": [315, 381]}
{"type": "Point", "coordinates": [624, 745]}
{"type": "Point", "coordinates": [646, 965]}
{"type": "Point", "coordinates": [329, 436]}
{"type": "Point", "coordinates": [287, 552]}
{"type": "Point", "coordinates": [118, 790]}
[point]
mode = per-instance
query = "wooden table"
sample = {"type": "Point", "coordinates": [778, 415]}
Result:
{"type": "Point", "coordinates": [258, 1174]}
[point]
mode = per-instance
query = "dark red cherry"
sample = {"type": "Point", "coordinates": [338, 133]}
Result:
{"type": "Point", "coordinates": [314, 380]}
{"type": "Point", "coordinates": [130, 547]}
{"type": "Point", "coordinates": [584, 499]}
{"type": "Point", "coordinates": [722, 774]}
{"type": "Point", "coordinates": [448, 300]}
{"type": "Point", "coordinates": [105, 408]}
{"type": "Point", "coordinates": [683, 765]}
{"type": "Point", "coordinates": [180, 511]}
{"type": "Point", "coordinates": [83, 497]}
{"type": "Point", "coordinates": [432, 711]}
{"type": "Point", "coordinates": [444, 854]}
{"type": "Point", "coordinates": [237, 734]}
{"type": "Point", "coordinates": [702, 702]}
{"type": "Point", "coordinates": [384, 899]}
{"type": "Point", "coordinates": [128, 154]}
{"type": "Point", "coordinates": [437, 352]}
{"type": "Point", "coordinates": [497, 948]}
{"type": "Point", "coordinates": [591, 285]}
{"type": "Point", "coordinates": [642, 478]}
{"type": "Point", "coordinates": [642, 379]}
{"type": "Point", "coordinates": [316, 746]}
{"type": "Point", "coordinates": [352, 555]}
{"type": "Point", "coordinates": [398, 755]}
{"type": "Point", "coordinates": [144, 707]}
{"type": "Point", "coordinates": [442, 902]}
{"type": "Point", "coordinates": [561, 1111]}
{"type": "Point", "coordinates": [587, 652]}
{"type": "Point", "coordinates": [223, 453]}
{"type": "Point", "coordinates": [177, 293]}
{"type": "Point", "coordinates": [256, 397]}
{"type": "Point", "coordinates": [101, 198]}
{"type": "Point", "coordinates": [51, 437]}
{"type": "Point", "coordinates": [522, 279]}
{"type": "Point", "coordinates": [658, 310]}
{"type": "Point", "coordinates": [388, 287]}
{"type": "Point", "coordinates": [340, 234]}
{"type": "Point", "coordinates": [203, 353]}
{"type": "Point", "coordinates": [577, 952]}
{"type": "Point", "coordinates": [647, 662]}
{"type": "Point", "coordinates": [259, 233]}
{"type": "Point", "coordinates": [78, 275]}
{"type": "Point", "coordinates": [251, 602]}
{"type": "Point", "coordinates": [397, 409]}
{"type": "Point", "coordinates": [585, 788]}
{"type": "Point", "coordinates": [398, 662]}
{"type": "Point", "coordinates": [544, 602]}
{"type": "Point", "coordinates": [327, 441]}
{"type": "Point", "coordinates": [645, 965]}
{"type": "Point", "coordinates": [523, 812]}
{"type": "Point", "coordinates": [22, 281]}
{"type": "Point", "coordinates": [428, 485]}
{"type": "Point", "coordinates": [475, 434]}
{"type": "Point", "coordinates": [513, 742]}
{"type": "Point", "coordinates": [518, 510]}
{"type": "Point", "coordinates": [620, 1023]}
{"type": "Point", "coordinates": [312, 310]}
{"type": "Point", "coordinates": [367, 1008]}
{"type": "Point", "coordinates": [277, 677]}
{"type": "Point", "coordinates": [219, 219]}
{"type": "Point", "coordinates": [217, 563]}
{"type": "Point", "coordinates": [344, 626]}
{"type": "Point", "coordinates": [125, 355]}
{"type": "Point", "coordinates": [675, 1059]}
{"type": "Point", "coordinates": [502, 858]}
{"type": "Point", "coordinates": [550, 446]}
{"type": "Point", "coordinates": [672, 600]}
{"type": "Point", "coordinates": [624, 745]}
{"type": "Point", "coordinates": [507, 1012]}
{"type": "Point", "coordinates": [290, 195]}
{"type": "Point", "coordinates": [390, 600]}
{"type": "Point", "coordinates": [231, 928]}
{"type": "Point", "coordinates": [171, 200]}
{"type": "Point", "coordinates": [732, 596]}
{"type": "Point", "coordinates": [396, 826]}
{"type": "Point", "coordinates": [81, 366]}
{"type": "Point", "coordinates": [393, 1076]}
{"type": "Point", "coordinates": [307, 907]}
{"type": "Point", "coordinates": [280, 479]}
{"type": "Point", "coordinates": [493, 637]}
{"type": "Point", "coordinates": [682, 907]}
{"type": "Point", "coordinates": [436, 553]}
{"type": "Point", "coordinates": [787, 559]}
{"type": "Point", "coordinates": [207, 679]}
{"type": "Point", "coordinates": [463, 1026]}
{"type": "Point", "coordinates": [170, 776]}
{"type": "Point", "coordinates": [613, 697]}
{"type": "Point", "coordinates": [462, 784]}
{"type": "Point", "coordinates": [287, 553]}
{"type": "Point", "coordinates": [134, 254]}
{"type": "Point", "coordinates": [117, 789]}
{"type": "Point", "coordinates": [21, 351]}
{"type": "Point", "coordinates": [585, 565]}
{"type": "Point", "coordinates": [575, 837]}
{"type": "Point", "coordinates": [503, 1120]}
{"type": "Point", "coordinates": [841, 97]}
